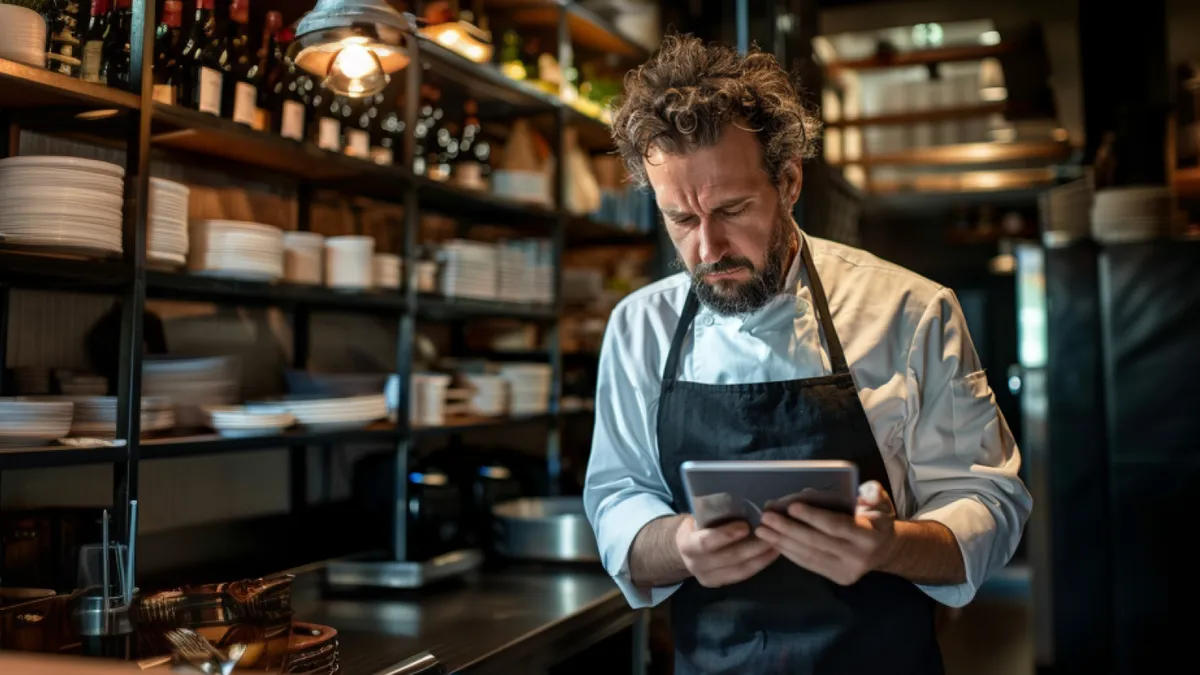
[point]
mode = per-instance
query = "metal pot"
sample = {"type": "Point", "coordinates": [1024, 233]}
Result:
{"type": "Point", "coordinates": [544, 528]}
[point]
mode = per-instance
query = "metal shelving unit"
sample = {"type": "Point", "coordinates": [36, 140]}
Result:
{"type": "Point", "coordinates": [39, 99]}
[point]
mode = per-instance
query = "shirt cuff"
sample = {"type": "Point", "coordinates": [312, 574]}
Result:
{"type": "Point", "coordinates": [623, 521]}
{"type": "Point", "coordinates": [974, 528]}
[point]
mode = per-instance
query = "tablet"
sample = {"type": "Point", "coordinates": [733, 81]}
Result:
{"type": "Point", "coordinates": [719, 492]}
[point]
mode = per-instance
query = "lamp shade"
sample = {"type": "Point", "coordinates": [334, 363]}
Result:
{"type": "Point", "coordinates": [352, 44]}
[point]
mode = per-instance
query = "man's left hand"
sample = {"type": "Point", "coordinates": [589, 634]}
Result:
{"type": "Point", "coordinates": [837, 546]}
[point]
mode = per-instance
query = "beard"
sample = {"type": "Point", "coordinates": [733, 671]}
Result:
{"type": "Point", "coordinates": [731, 298]}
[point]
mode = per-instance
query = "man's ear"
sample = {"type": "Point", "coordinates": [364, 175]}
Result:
{"type": "Point", "coordinates": [793, 180]}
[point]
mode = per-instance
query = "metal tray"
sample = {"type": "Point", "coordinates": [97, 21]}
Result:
{"type": "Point", "coordinates": [544, 528]}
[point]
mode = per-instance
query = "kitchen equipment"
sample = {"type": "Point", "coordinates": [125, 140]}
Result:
{"type": "Point", "coordinates": [254, 612]}
{"type": "Point", "coordinates": [544, 528]}
{"type": "Point", "coordinates": [435, 505]}
{"type": "Point", "coordinates": [101, 614]}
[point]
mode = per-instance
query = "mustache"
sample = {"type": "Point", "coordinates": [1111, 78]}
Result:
{"type": "Point", "coordinates": [726, 264]}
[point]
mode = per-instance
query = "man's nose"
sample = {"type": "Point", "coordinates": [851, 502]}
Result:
{"type": "Point", "coordinates": [712, 240]}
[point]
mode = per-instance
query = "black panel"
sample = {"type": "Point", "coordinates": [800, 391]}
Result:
{"type": "Point", "coordinates": [1156, 597]}
{"type": "Point", "coordinates": [1077, 464]}
{"type": "Point", "coordinates": [1152, 330]}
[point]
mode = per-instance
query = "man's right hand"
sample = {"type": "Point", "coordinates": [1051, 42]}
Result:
{"type": "Point", "coordinates": [722, 555]}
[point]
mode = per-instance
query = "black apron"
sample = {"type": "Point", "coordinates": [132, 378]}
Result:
{"type": "Point", "coordinates": [786, 619]}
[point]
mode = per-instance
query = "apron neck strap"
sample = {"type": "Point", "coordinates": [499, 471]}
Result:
{"type": "Point", "coordinates": [671, 369]}
{"type": "Point", "coordinates": [837, 357]}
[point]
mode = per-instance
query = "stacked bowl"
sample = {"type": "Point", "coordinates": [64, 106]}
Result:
{"type": "Point", "coordinates": [22, 35]}
{"type": "Point", "coordinates": [64, 203]}
{"type": "Point", "coordinates": [1134, 213]}
{"type": "Point", "coordinates": [236, 250]}
{"type": "Point", "coordinates": [529, 387]}
{"type": "Point", "coordinates": [168, 241]}
{"type": "Point", "coordinates": [387, 270]}
{"type": "Point", "coordinates": [349, 262]}
{"type": "Point", "coordinates": [302, 253]}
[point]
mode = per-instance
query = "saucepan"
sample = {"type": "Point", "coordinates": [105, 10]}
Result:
{"type": "Point", "coordinates": [544, 528]}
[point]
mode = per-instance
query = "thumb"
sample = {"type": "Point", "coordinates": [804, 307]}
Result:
{"type": "Point", "coordinates": [872, 497]}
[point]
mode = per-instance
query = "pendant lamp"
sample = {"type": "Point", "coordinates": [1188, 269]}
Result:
{"type": "Point", "coordinates": [353, 45]}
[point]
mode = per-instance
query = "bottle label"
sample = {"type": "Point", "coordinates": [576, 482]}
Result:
{"type": "Point", "coordinates": [164, 93]}
{"type": "Point", "coordinates": [92, 59]}
{"type": "Point", "coordinates": [210, 91]}
{"type": "Point", "coordinates": [359, 143]}
{"type": "Point", "coordinates": [382, 156]}
{"type": "Point", "coordinates": [292, 124]}
{"type": "Point", "coordinates": [244, 98]}
{"type": "Point", "coordinates": [329, 134]}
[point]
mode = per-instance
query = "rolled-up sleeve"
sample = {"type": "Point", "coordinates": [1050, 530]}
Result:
{"type": "Point", "coordinates": [624, 488]}
{"type": "Point", "coordinates": [963, 460]}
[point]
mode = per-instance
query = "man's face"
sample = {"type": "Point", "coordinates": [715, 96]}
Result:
{"type": "Point", "coordinates": [728, 221]}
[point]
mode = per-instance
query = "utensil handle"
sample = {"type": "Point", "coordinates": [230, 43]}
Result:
{"type": "Point", "coordinates": [131, 561]}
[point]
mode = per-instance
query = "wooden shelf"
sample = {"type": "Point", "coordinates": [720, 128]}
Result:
{"type": "Point", "coordinates": [183, 445]}
{"type": "Point", "coordinates": [583, 231]}
{"type": "Point", "coordinates": [438, 308]}
{"type": "Point", "coordinates": [968, 154]}
{"type": "Point", "coordinates": [922, 116]}
{"type": "Point", "coordinates": [467, 423]}
{"type": "Point", "coordinates": [498, 94]}
{"type": "Point", "coordinates": [967, 182]}
{"type": "Point", "coordinates": [26, 268]}
{"type": "Point", "coordinates": [23, 86]}
{"type": "Point", "coordinates": [40, 457]}
{"type": "Point", "coordinates": [923, 57]}
{"type": "Point", "coordinates": [587, 28]}
{"type": "Point", "coordinates": [184, 286]}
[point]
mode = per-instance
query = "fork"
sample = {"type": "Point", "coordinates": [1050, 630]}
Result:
{"type": "Point", "coordinates": [201, 654]}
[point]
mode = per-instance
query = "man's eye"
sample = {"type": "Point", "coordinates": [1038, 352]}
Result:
{"type": "Point", "coordinates": [730, 214]}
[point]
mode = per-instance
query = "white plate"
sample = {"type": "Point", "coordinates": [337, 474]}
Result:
{"type": "Point", "coordinates": [62, 162]}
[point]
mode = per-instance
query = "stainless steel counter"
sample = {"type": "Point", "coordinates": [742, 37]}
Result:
{"type": "Point", "coordinates": [513, 620]}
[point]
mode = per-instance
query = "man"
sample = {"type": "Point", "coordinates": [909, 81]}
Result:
{"type": "Point", "coordinates": [778, 345]}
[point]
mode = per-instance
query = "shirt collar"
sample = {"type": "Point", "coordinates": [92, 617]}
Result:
{"type": "Point", "coordinates": [779, 310]}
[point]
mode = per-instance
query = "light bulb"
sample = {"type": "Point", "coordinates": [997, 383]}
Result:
{"type": "Point", "coordinates": [355, 62]}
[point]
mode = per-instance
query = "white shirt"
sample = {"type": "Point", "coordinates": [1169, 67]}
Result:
{"type": "Point", "coordinates": [949, 454]}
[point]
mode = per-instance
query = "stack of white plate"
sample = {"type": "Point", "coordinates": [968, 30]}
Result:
{"type": "Point", "coordinates": [236, 249]}
{"type": "Point", "coordinates": [349, 262]}
{"type": "Point", "coordinates": [489, 395]}
{"type": "Point", "coordinates": [1137, 213]}
{"type": "Point", "coordinates": [529, 387]}
{"type": "Point", "coordinates": [61, 202]}
{"type": "Point", "coordinates": [302, 253]}
{"type": "Point", "coordinates": [330, 414]}
{"type": "Point", "coordinates": [239, 421]}
{"type": "Point", "coordinates": [514, 277]}
{"type": "Point", "coordinates": [387, 270]}
{"type": "Point", "coordinates": [26, 422]}
{"type": "Point", "coordinates": [168, 242]}
{"type": "Point", "coordinates": [81, 384]}
{"type": "Point", "coordinates": [22, 35]}
{"type": "Point", "coordinates": [468, 269]}
{"type": "Point", "coordinates": [96, 416]}
{"type": "Point", "coordinates": [191, 383]}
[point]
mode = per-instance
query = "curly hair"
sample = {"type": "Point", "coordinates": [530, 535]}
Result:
{"type": "Point", "coordinates": [687, 92]}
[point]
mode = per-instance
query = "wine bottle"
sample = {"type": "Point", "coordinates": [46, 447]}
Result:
{"type": "Point", "coordinates": [239, 95]}
{"type": "Point", "coordinates": [93, 41]}
{"type": "Point", "coordinates": [358, 134]}
{"type": "Point", "coordinates": [290, 89]}
{"type": "Point", "coordinates": [201, 64]}
{"type": "Point", "coordinates": [270, 71]}
{"type": "Point", "coordinates": [115, 69]}
{"type": "Point", "coordinates": [327, 120]}
{"type": "Point", "coordinates": [167, 44]}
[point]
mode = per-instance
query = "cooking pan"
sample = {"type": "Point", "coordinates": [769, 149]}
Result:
{"type": "Point", "coordinates": [544, 528]}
